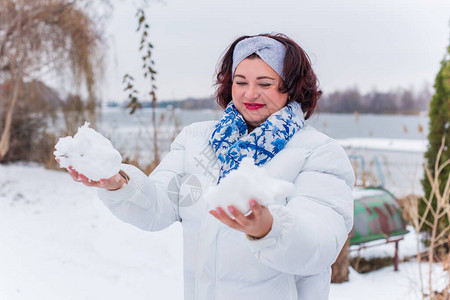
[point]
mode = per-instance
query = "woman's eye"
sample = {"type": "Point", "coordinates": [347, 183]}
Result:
{"type": "Point", "coordinates": [265, 84]}
{"type": "Point", "coordinates": [241, 83]}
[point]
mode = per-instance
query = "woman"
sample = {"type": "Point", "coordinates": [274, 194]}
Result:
{"type": "Point", "coordinates": [284, 251]}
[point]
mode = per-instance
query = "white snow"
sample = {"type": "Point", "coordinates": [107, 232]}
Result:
{"type": "Point", "coordinates": [387, 284]}
{"type": "Point", "coordinates": [89, 153]}
{"type": "Point", "coordinates": [59, 242]}
{"type": "Point", "coordinates": [406, 145]}
{"type": "Point", "coordinates": [359, 192]}
{"type": "Point", "coordinates": [245, 183]}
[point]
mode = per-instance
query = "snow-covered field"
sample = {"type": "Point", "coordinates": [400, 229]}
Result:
{"type": "Point", "coordinates": [58, 242]}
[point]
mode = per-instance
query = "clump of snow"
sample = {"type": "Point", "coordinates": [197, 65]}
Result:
{"type": "Point", "coordinates": [89, 153]}
{"type": "Point", "coordinates": [245, 183]}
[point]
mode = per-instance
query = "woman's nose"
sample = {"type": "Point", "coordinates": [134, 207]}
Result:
{"type": "Point", "coordinates": [252, 92]}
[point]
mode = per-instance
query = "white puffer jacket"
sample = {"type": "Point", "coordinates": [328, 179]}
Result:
{"type": "Point", "coordinates": [309, 228]}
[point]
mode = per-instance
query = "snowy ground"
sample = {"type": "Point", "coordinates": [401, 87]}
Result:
{"type": "Point", "coordinates": [384, 284]}
{"type": "Point", "coordinates": [58, 242]}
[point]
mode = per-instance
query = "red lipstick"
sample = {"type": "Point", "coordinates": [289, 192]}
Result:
{"type": "Point", "coordinates": [253, 106]}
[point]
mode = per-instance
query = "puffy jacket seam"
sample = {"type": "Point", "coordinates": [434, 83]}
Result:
{"type": "Point", "coordinates": [216, 263]}
{"type": "Point", "coordinates": [293, 293]}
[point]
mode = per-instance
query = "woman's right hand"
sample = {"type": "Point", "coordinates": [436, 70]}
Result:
{"type": "Point", "coordinates": [112, 184]}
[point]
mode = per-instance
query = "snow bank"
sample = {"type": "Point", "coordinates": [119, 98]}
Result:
{"type": "Point", "coordinates": [89, 153]}
{"type": "Point", "coordinates": [409, 145]}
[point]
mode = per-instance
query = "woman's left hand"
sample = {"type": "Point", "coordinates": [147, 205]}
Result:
{"type": "Point", "coordinates": [257, 224]}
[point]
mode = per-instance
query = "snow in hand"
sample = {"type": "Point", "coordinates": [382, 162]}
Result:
{"type": "Point", "coordinates": [89, 153]}
{"type": "Point", "coordinates": [245, 183]}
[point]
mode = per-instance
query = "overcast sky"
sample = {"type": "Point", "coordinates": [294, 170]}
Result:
{"type": "Point", "coordinates": [381, 44]}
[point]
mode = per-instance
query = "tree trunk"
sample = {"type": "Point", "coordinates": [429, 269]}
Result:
{"type": "Point", "coordinates": [91, 107]}
{"type": "Point", "coordinates": [6, 134]}
{"type": "Point", "coordinates": [339, 270]}
{"type": "Point", "coordinates": [16, 79]}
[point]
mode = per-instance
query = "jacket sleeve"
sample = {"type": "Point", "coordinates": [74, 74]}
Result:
{"type": "Point", "coordinates": [309, 231]}
{"type": "Point", "coordinates": [144, 202]}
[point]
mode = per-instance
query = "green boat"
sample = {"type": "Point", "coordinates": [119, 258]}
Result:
{"type": "Point", "coordinates": [377, 215]}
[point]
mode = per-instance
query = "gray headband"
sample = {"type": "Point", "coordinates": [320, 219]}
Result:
{"type": "Point", "coordinates": [271, 51]}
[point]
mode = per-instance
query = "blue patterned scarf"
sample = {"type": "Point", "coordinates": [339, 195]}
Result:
{"type": "Point", "coordinates": [231, 141]}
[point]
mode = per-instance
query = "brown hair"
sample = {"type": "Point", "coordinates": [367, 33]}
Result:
{"type": "Point", "coordinates": [300, 81]}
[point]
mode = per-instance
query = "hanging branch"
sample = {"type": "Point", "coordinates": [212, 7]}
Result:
{"type": "Point", "coordinates": [149, 72]}
{"type": "Point", "coordinates": [148, 65]}
{"type": "Point", "coordinates": [132, 93]}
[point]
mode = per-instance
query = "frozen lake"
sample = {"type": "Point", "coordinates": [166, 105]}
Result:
{"type": "Point", "coordinates": [337, 126]}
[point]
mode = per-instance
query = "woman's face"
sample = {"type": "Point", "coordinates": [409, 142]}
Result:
{"type": "Point", "coordinates": [255, 91]}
